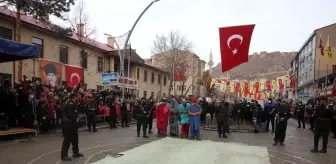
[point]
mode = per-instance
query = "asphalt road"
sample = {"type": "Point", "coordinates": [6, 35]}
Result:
{"type": "Point", "coordinates": [45, 149]}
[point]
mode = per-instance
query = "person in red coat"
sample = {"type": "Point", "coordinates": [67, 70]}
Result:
{"type": "Point", "coordinates": [162, 116]}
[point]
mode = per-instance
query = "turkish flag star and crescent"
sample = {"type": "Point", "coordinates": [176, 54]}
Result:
{"type": "Point", "coordinates": [74, 75]}
{"type": "Point", "coordinates": [234, 45]}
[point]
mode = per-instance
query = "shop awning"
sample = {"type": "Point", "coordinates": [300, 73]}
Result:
{"type": "Point", "coordinates": [12, 51]}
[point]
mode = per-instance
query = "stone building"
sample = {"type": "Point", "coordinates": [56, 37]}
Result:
{"type": "Point", "coordinates": [312, 71]}
{"type": "Point", "coordinates": [98, 57]}
{"type": "Point", "coordinates": [195, 67]}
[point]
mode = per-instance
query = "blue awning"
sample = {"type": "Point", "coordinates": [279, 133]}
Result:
{"type": "Point", "coordinates": [12, 51]}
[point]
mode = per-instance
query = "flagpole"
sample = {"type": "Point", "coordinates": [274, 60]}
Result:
{"type": "Point", "coordinates": [318, 78]}
{"type": "Point", "coordinates": [326, 82]}
{"type": "Point", "coordinates": [129, 64]}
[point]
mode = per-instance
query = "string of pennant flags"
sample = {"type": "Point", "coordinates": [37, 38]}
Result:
{"type": "Point", "coordinates": [256, 89]}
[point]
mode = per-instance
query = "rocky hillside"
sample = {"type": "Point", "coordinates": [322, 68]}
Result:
{"type": "Point", "coordinates": [267, 65]}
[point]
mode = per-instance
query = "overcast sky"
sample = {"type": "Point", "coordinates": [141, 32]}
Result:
{"type": "Point", "coordinates": [281, 25]}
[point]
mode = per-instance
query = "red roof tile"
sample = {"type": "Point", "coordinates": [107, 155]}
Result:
{"type": "Point", "coordinates": [36, 22]}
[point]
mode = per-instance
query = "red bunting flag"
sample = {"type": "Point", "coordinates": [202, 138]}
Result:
{"type": "Point", "coordinates": [268, 85]}
{"type": "Point", "coordinates": [257, 86]}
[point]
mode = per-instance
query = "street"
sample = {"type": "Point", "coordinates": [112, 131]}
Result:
{"type": "Point", "coordinates": [95, 146]}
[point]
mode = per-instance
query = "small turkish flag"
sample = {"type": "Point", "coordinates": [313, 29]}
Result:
{"type": "Point", "coordinates": [74, 75]}
{"type": "Point", "coordinates": [234, 45]}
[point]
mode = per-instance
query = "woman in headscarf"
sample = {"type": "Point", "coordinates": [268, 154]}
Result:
{"type": "Point", "coordinates": [173, 120]}
{"type": "Point", "coordinates": [184, 118]}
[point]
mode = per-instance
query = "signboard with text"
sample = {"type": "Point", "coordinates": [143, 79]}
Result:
{"type": "Point", "coordinates": [109, 78]}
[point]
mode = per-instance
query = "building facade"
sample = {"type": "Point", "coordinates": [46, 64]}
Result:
{"type": "Point", "coordinates": [310, 68]}
{"type": "Point", "coordinates": [189, 86]}
{"type": "Point", "coordinates": [152, 82]}
{"type": "Point", "coordinates": [100, 57]}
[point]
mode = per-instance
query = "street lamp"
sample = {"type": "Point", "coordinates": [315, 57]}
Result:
{"type": "Point", "coordinates": [126, 43]}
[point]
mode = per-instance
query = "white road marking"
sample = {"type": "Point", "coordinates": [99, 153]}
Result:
{"type": "Point", "coordinates": [170, 150]}
{"type": "Point", "coordinates": [294, 156]}
{"type": "Point", "coordinates": [103, 151]}
{"type": "Point", "coordinates": [291, 162]}
{"type": "Point", "coordinates": [51, 152]}
{"type": "Point", "coordinates": [105, 145]}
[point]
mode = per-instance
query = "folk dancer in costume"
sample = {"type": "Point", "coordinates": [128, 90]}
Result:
{"type": "Point", "coordinates": [184, 118]}
{"type": "Point", "coordinates": [195, 120]}
{"type": "Point", "coordinates": [174, 118]}
{"type": "Point", "coordinates": [162, 116]}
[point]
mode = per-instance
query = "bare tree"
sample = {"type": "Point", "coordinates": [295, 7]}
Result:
{"type": "Point", "coordinates": [203, 80]}
{"type": "Point", "coordinates": [171, 51]}
{"type": "Point", "coordinates": [85, 32]}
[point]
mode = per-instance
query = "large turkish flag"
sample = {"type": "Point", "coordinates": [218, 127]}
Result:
{"type": "Point", "coordinates": [234, 45]}
{"type": "Point", "coordinates": [74, 75]}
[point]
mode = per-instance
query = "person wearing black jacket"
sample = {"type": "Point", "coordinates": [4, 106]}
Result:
{"type": "Point", "coordinates": [70, 129]}
{"type": "Point", "coordinates": [256, 110]}
{"type": "Point", "coordinates": [113, 114]}
{"type": "Point", "coordinates": [151, 107]}
{"type": "Point", "coordinates": [222, 118]}
{"type": "Point", "coordinates": [211, 111]}
{"type": "Point", "coordinates": [300, 110]}
{"type": "Point", "coordinates": [124, 114]}
{"type": "Point", "coordinates": [311, 111]}
{"type": "Point", "coordinates": [141, 115]}
{"type": "Point", "coordinates": [204, 106]}
{"type": "Point", "coordinates": [323, 115]}
{"type": "Point", "coordinates": [91, 114]}
{"type": "Point", "coordinates": [282, 114]}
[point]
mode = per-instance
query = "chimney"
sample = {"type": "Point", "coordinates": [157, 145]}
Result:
{"type": "Point", "coordinates": [80, 29]}
{"type": "Point", "coordinates": [110, 42]}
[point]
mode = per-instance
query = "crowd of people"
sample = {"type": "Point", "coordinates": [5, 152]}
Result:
{"type": "Point", "coordinates": [33, 105]}
{"type": "Point", "coordinates": [46, 108]}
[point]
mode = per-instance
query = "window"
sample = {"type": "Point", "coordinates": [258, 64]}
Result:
{"type": "Point", "coordinates": [164, 80]}
{"type": "Point", "coordinates": [100, 64]}
{"type": "Point", "coordinates": [99, 87]}
{"type": "Point", "coordinates": [138, 73]}
{"type": "Point", "coordinates": [306, 75]}
{"type": "Point", "coordinates": [159, 79]}
{"type": "Point", "coordinates": [84, 60]}
{"type": "Point", "coordinates": [152, 94]}
{"type": "Point", "coordinates": [153, 77]}
{"type": "Point", "coordinates": [39, 43]}
{"type": "Point", "coordinates": [64, 54]}
{"type": "Point", "coordinates": [164, 94]}
{"type": "Point", "coordinates": [145, 94]}
{"type": "Point", "coordinates": [5, 33]}
{"type": "Point", "coordinates": [64, 84]}
{"type": "Point", "coordinates": [145, 75]}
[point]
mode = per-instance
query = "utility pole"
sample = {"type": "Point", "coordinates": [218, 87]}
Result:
{"type": "Point", "coordinates": [128, 38]}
